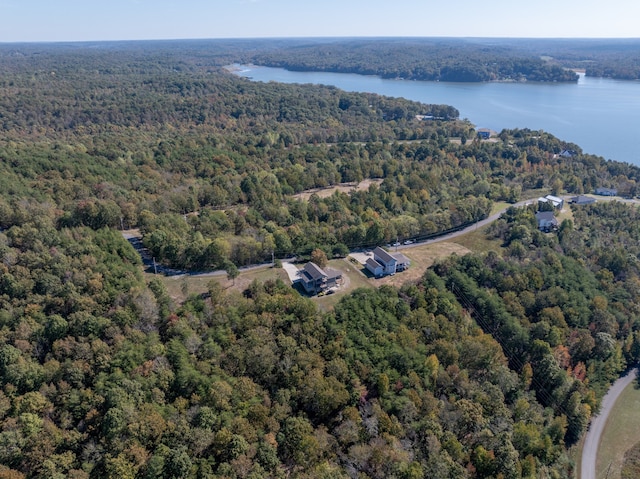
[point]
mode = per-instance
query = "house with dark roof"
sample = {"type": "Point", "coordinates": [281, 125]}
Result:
{"type": "Point", "coordinates": [606, 191]}
{"type": "Point", "coordinates": [374, 267]}
{"type": "Point", "coordinates": [385, 259]}
{"type": "Point", "coordinates": [315, 279]}
{"type": "Point", "coordinates": [582, 200]}
{"type": "Point", "coordinates": [384, 263]}
{"type": "Point", "coordinates": [546, 221]}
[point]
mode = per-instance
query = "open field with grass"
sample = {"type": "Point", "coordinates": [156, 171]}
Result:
{"type": "Point", "coordinates": [477, 241]}
{"type": "Point", "coordinates": [180, 287]}
{"type": "Point", "coordinates": [344, 187]}
{"type": "Point", "coordinates": [621, 433]}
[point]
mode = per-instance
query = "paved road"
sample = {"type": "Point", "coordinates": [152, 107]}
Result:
{"type": "Point", "coordinates": [468, 229]}
{"type": "Point", "coordinates": [592, 439]}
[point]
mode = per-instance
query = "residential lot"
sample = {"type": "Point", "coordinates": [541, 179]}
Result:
{"type": "Point", "coordinates": [421, 256]}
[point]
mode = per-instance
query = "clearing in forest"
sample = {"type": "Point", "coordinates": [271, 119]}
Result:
{"type": "Point", "coordinates": [343, 187]}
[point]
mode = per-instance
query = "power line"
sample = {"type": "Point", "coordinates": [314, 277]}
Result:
{"type": "Point", "coordinates": [494, 331]}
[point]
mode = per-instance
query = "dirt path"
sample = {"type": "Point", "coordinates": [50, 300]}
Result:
{"type": "Point", "coordinates": [592, 439]}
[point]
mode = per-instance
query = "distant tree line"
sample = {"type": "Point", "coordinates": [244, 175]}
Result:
{"type": "Point", "coordinates": [420, 59]}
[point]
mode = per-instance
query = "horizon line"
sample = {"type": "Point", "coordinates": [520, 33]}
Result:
{"type": "Point", "coordinates": [335, 37]}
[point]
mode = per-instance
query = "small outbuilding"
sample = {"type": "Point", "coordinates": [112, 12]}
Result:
{"type": "Point", "coordinates": [403, 261]}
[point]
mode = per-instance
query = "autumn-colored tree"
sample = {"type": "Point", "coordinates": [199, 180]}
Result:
{"type": "Point", "coordinates": [319, 257]}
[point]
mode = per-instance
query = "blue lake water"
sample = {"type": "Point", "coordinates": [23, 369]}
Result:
{"type": "Point", "coordinates": [601, 116]}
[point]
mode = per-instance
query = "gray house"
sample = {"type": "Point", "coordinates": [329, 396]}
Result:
{"type": "Point", "coordinates": [384, 263]}
{"type": "Point", "coordinates": [606, 191]}
{"type": "Point", "coordinates": [374, 267]}
{"type": "Point", "coordinates": [314, 279]}
{"type": "Point", "coordinates": [582, 200]}
{"type": "Point", "coordinates": [546, 221]}
{"type": "Point", "coordinates": [484, 133]}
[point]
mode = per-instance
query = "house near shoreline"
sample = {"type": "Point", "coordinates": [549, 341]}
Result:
{"type": "Point", "coordinates": [384, 263]}
{"type": "Point", "coordinates": [315, 279]}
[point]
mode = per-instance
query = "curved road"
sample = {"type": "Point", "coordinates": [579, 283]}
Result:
{"type": "Point", "coordinates": [592, 439]}
{"type": "Point", "coordinates": [468, 229]}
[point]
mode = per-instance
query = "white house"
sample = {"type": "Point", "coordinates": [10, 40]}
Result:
{"type": "Point", "coordinates": [386, 260]}
{"type": "Point", "coordinates": [384, 263]}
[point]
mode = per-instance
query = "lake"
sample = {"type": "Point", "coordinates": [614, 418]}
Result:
{"type": "Point", "coordinates": [602, 116]}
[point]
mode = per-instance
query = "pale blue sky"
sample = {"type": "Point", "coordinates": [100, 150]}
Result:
{"type": "Point", "coordinates": [77, 20]}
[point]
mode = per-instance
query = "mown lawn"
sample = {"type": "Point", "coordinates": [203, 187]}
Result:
{"type": "Point", "coordinates": [621, 433]}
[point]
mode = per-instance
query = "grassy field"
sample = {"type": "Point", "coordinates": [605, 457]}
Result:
{"type": "Point", "coordinates": [477, 241]}
{"type": "Point", "coordinates": [179, 287]}
{"type": "Point", "coordinates": [344, 187]}
{"type": "Point", "coordinates": [421, 258]}
{"type": "Point", "coordinates": [621, 433]}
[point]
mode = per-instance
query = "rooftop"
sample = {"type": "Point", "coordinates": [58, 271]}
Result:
{"type": "Point", "coordinates": [383, 255]}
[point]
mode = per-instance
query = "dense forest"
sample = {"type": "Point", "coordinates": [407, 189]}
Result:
{"type": "Point", "coordinates": [490, 366]}
{"type": "Point", "coordinates": [123, 136]}
{"type": "Point", "coordinates": [459, 60]}
{"type": "Point", "coordinates": [419, 59]}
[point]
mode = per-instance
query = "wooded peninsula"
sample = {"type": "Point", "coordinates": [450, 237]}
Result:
{"type": "Point", "coordinates": [490, 366]}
